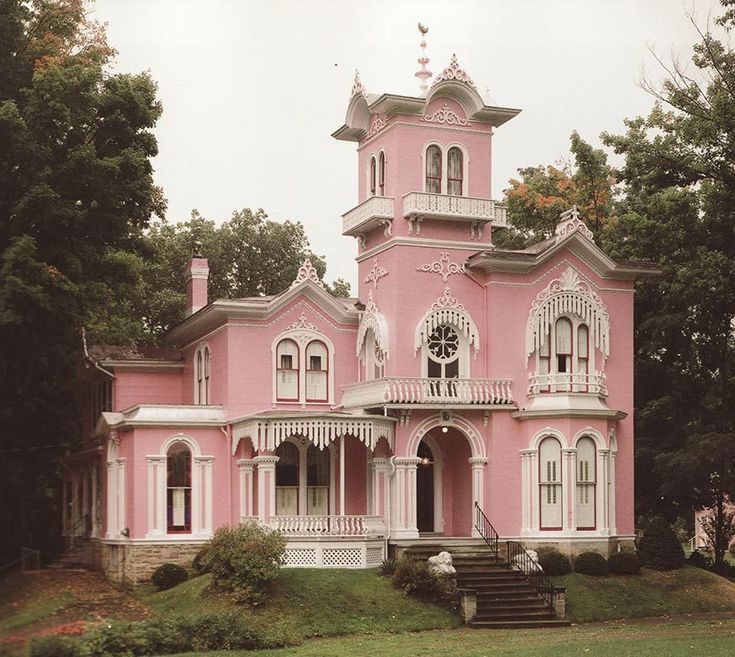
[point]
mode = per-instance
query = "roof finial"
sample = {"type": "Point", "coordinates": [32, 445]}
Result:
{"type": "Point", "coordinates": [357, 86]}
{"type": "Point", "coordinates": [423, 73]}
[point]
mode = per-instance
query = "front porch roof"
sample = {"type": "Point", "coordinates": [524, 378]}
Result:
{"type": "Point", "coordinates": [268, 430]}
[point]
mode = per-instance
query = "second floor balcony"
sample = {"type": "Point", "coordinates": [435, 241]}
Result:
{"type": "Point", "coordinates": [375, 211]}
{"type": "Point", "coordinates": [477, 211]}
{"type": "Point", "coordinates": [428, 392]}
{"type": "Point", "coordinates": [568, 382]}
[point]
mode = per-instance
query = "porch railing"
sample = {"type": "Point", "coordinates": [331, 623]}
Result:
{"type": "Point", "coordinates": [520, 560]}
{"type": "Point", "coordinates": [329, 525]}
{"type": "Point", "coordinates": [567, 382]}
{"type": "Point", "coordinates": [486, 531]}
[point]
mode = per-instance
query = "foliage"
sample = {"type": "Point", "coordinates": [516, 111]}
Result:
{"type": "Point", "coordinates": [197, 564]}
{"type": "Point", "coordinates": [168, 575]}
{"type": "Point", "coordinates": [699, 560]}
{"type": "Point", "coordinates": [659, 548]}
{"type": "Point", "coordinates": [724, 569]}
{"type": "Point", "coordinates": [55, 646]}
{"type": "Point", "coordinates": [554, 562]}
{"type": "Point", "coordinates": [624, 563]}
{"type": "Point", "coordinates": [416, 578]}
{"type": "Point", "coordinates": [387, 567]}
{"type": "Point", "coordinates": [591, 563]}
{"type": "Point", "coordinates": [719, 528]}
{"type": "Point", "coordinates": [245, 560]}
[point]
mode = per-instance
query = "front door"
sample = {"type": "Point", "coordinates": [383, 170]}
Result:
{"type": "Point", "coordinates": [425, 489]}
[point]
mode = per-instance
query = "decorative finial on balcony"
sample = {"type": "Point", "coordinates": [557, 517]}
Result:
{"type": "Point", "coordinates": [358, 87]}
{"type": "Point", "coordinates": [570, 222]}
{"type": "Point", "coordinates": [423, 73]}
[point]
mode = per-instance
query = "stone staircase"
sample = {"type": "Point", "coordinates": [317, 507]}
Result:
{"type": "Point", "coordinates": [76, 557]}
{"type": "Point", "coordinates": [505, 598]}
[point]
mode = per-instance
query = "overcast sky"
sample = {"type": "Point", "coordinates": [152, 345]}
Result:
{"type": "Point", "coordinates": [252, 90]}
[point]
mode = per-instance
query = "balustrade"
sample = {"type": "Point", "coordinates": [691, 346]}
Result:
{"type": "Point", "coordinates": [567, 382]}
{"type": "Point", "coordinates": [444, 206]}
{"type": "Point", "coordinates": [375, 210]}
{"type": "Point", "coordinates": [329, 525]}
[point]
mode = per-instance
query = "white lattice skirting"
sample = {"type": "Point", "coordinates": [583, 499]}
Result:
{"type": "Point", "coordinates": [331, 553]}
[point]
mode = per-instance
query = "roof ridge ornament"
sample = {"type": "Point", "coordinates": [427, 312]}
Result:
{"type": "Point", "coordinates": [454, 72]}
{"type": "Point", "coordinates": [423, 73]}
{"type": "Point", "coordinates": [307, 272]}
{"type": "Point", "coordinates": [358, 87]}
{"type": "Point", "coordinates": [571, 222]}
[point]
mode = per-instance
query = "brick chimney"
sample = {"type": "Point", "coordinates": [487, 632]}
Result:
{"type": "Point", "coordinates": [197, 275]}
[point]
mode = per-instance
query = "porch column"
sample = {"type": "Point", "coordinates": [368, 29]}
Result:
{"type": "Point", "coordinates": [478, 464]}
{"type": "Point", "coordinates": [526, 490]}
{"type": "Point", "coordinates": [245, 467]}
{"type": "Point", "coordinates": [381, 489]}
{"type": "Point", "coordinates": [568, 487]}
{"type": "Point", "coordinates": [266, 487]}
{"type": "Point", "coordinates": [111, 490]}
{"type": "Point", "coordinates": [203, 468]}
{"type": "Point", "coordinates": [613, 519]}
{"type": "Point", "coordinates": [342, 475]}
{"type": "Point", "coordinates": [404, 512]}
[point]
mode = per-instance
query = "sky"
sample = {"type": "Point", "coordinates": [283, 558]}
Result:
{"type": "Point", "coordinates": [253, 89]}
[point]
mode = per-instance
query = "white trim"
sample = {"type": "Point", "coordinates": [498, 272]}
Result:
{"type": "Point", "coordinates": [444, 149]}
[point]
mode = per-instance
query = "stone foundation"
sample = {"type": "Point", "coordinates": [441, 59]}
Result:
{"type": "Point", "coordinates": [573, 547]}
{"type": "Point", "coordinates": [132, 563]}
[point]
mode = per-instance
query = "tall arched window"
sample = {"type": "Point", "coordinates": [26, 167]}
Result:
{"type": "Point", "coordinates": [317, 481]}
{"type": "Point", "coordinates": [586, 484]}
{"type": "Point", "coordinates": [317, 371]}
{"type": "Point", "coordinates": [563, 338]}
{"type": "Point", "coordinates": [287, 371]}
{"type": "Point", "coordinates": [550, 483]}
{"type": "Point", "coordinates": [444, 351]}
{"type": "Point", "coordinates": [583, 356]}
{"type": "Point", "coordinates": [178, 489]}
{"type": "Point", "coordinates": [433, 170]}
{"type": "Point", "coordinates": [287, 480]}
{"type": "Point", "coordinates": [372, 176]}
{"type": "Point", "coordinates": [455, 169]}
{"type": "Point", "coordinates": [381, 173]}
{"type": "Point", "coordinates": [201, 368]}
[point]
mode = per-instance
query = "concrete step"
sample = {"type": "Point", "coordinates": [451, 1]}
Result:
{"type": "Point", "coordinates": [519, 624]}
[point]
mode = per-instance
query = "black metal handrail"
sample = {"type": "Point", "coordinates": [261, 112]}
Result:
{"type": "Point", "coordinates": [486, 530]}
{"type": "Point", "coordinates": [520, 560]}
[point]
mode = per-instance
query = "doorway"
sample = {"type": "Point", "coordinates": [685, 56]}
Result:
{"type": "Point", "coordinates": [425, 490]}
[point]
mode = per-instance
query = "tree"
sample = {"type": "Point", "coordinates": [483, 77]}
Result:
{"type": "Point", "coordinates": [76, 188]}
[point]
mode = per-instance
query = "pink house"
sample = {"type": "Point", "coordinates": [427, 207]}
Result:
{"type": "Point", "coordinates": [464, 378]}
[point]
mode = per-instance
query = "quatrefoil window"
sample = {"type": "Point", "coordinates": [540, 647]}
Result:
{"type": "Point", "coordinates": [443, 343]}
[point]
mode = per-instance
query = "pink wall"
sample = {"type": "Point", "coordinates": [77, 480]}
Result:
{"type": "Point", "coordinates": [140, 387]}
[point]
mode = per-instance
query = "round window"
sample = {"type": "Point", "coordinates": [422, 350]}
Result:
{"type": "Point", "coordinates": [443, 343]}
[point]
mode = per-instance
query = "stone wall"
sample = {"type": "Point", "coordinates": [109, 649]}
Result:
{"type": "Point", "coordinates": [572, 548]}
{"type": "Point", "coordinates": [132, 563]}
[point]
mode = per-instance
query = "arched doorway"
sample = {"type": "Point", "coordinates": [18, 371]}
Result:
{"type": "Point", "coordinates": [425, 509]}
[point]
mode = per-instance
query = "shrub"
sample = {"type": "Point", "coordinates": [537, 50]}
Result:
{"type": "Point", "coordinates": [196, 565]}
{"type": "Point", "coordinates": [624, 563]}
{"type": "Point", "coordinates": [699, 560]}
{"type": "Point", "coordinates": [554, 562]}
{"type": "Point", "coordinates": [387, 567]}
{"type": "Point", "coordinates": [724, 569]}
{"type": "Point", "coordinates": [55, 646]}
{"type": "Point", "coordinates": [591, 563]}
{"type": "Point", "coordinates": [245, 560]}
{"type": "Point", "coordinates": [732, 549]}
{"type": "Point", "coordinates": [168, 575]}
{"type": "Point", "coordinates": [416, 578]}
{"type": "Point", "coordinates": [659, 548]}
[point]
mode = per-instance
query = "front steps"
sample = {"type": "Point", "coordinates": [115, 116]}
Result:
{"type": "Point", "coordinates": [505, 598]}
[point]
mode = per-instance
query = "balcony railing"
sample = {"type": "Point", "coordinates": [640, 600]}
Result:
{"type": "Point", "coordinates": [567, 382]}
{"type": "Point", "coordinates": [395, 390]}
{"type": "Point", "coordinates": [454, 208]}
{"type": "Point", "coordinates": [329, 525]}
{"type": "Point", "coordinates": [377, 210]}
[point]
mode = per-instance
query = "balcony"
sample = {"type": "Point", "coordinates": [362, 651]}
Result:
{"type": "Point", "coordinates": [376, 211]}
{"type": "Point", "coordinates": [349, 526]}
{"type": "Point", "coordinates": [567, 382]}
{"type": "Point", "coordinates": [478, 211]}
{"type": "Point", "coordinates": [389, 391]}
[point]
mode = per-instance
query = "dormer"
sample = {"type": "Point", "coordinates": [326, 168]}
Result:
{"type": "Point", "coordinates": [424, 162]}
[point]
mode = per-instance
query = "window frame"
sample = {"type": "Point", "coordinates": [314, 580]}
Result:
{"type": "Point", "coordinates": [444, 150]}
{"type": "Point", "coordinates": [202, 367]}
{"type": "Point", "coordinates": [587, 483]}
{"type": "Point", "coordinates": [296, 369]}
{"type": "Point", "coordinates": [459, 180]}
{"type": "Point", "coordinates": [308, 369]}
{"type": "Point", "coordinates": [180, 446]}
{"type": "Point", "coordinates": [557, 484]}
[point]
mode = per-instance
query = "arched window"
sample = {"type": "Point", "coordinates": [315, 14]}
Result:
{"type": "Point", "coordinates": [317, 371]}
{"type": "Point", "coordinates": [550, 483]}
{"type": "Point", "coordinates": [178, 489]}
{"type": "Point", "coordinates": [433, 170]}
{"type": "Point", "coordinates": [444, 347]}
{"type": "Point", "coordinates": [372, 176]}
{"type": "Point", "coordinates": [563, 339]}
{"type": "Point", "coordinates": [583, 350]}
{"type": "Point", "coordinates": [287, 371]}
{"type": "Point", "coordinates": [455, 168]}
{"type": "Point", "coordinates": [381, 174]}
{"type": "Point", "coordinates": [201, 370]}
{"type": "Point", "coordinates": [586, 484]}
{"type": "Point", "coordinates": [287, 480]}
{"type": "Point", "coordinates": [317, 481]}
{"type": "Point", "coordinates": [563, 359]}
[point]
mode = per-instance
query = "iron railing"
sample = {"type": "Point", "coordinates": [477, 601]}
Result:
{"type": "Point", "coordinates": [520, 560]}
{"type": "Point", "coordinates": [80, 529]}
{"type": "Point", "coordinates": [29, 559]}
{"type": "Point", "coordinates": [486, 531]}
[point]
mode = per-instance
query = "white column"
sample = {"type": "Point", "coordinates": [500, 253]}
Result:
{"type": "Point", "coordinates": [204, 496]}
{"type": "Point", "coordinates": [156, 496]}
{"type": "Point", "coordinates": [301, 499]}
{"type": "Point", "coordinates": [601, 490]}
{"type": "Point", "coordinates": [478, 487]}
{"type": "Point", "coordinates": [121, 519]}
{"type": "Point", "coordinates": [245, 467]}
{"type": "Point", "coordinates": [266, 465]}
{"type": "Point", "coordinates": [381, 489]}
{"type": "Point", "coordinates": [342, 475]}
{"type": "Point", "coordinates": [404, 505]}
{"type": "Point", "coordinates": [112, 524]}
{"type": "Point", "coordinates": [613, 519]}
{"type": "Point", "coordinates": [93, 493]}
{"type": "Point", "coordinates": [568, 488]}
{"type": "Point", "coordinates": [526, 490]}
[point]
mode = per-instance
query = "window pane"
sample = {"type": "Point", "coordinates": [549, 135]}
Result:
{"type": "Point", "coordinates": [563, 336]}
{"type": "Point", "coordinates": [582, 341]}
{"type": "Point", "coordinates": [550, 478]}
{"type": "Point", "coordinates": [454, 172]}
{"type": "Point", "coordinates": [381, 174]}
{"type": "Point", "coordinates": [433, 170]}
{"type": "Point", "coordinates": [287, 376]}
{"type": "Point", "coordinates": [315, 362]}
{"type": "Point", "coordinates": [372, 175]}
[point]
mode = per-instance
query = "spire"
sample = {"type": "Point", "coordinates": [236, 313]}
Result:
{"type": "Point", "coordinates": [423, 73]}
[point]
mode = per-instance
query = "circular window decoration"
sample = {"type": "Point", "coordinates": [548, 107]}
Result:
{"type": "Point", "coordinates": [443, 343]}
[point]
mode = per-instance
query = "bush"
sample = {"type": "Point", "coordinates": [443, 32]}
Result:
{"type": "Point", "coordinates": [591, 563]}
{"type": "Point", "coordinates": [168, 575]}
{"type": "Point", "coordinates": [387, 568]}
{"type": "Point", "coordinates": [55, 646]}
{"type": "Point", "coordinates": [731, 549]}
{"type": "Point", "coordinates": [196, 565]}
{"type": "Point", "coordinates": [724, 569]}
{"type": "Point", "coordinates": [416, 578]}
{"type": "Point", "coordinates": [624, 563]}
{"type": "Point", "coordinates": [699, 560]}
{"type": "Point", "coordinates": [554, 562]}
{"type": "Point", "coordinates": [659, 548]}
{"type": "Point", "coordinates": [245, 560]}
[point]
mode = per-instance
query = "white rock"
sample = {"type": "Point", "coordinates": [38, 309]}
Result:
{"type": "Point", "coordinates": [441, 564]}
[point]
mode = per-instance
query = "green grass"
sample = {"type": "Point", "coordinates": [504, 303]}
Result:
{"type": "Point", "coordinates": [315, 603]}
{"type": "Point", "coordinates": [666, 639]}
{"type": "Point", "coordinates": [21, 605]}
{"type": "Point", "coordinates": [653, 593]}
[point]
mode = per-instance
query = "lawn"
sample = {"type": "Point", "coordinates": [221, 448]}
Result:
{"type": "Point", "coordinates": [665, 638]}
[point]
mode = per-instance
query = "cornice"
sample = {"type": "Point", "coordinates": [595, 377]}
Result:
{"type": "Point", "coordinates": [419, 242]}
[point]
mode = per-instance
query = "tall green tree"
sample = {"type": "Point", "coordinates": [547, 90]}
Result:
{"type": "Point", "coordinates": [76, 188]}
